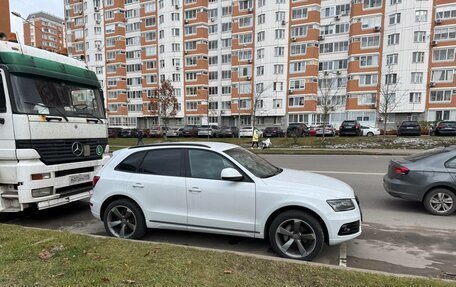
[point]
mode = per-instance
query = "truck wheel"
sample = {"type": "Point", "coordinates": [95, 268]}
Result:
{"type": "Point", "coordinates": [297, 235]}
{"type": "Point", "coordinates": [124, 219]}
{"type": "Point", "coordinates": [440, 201]}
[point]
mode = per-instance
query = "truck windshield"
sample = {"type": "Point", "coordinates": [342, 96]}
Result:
{"type": "Point", "coordinates": [43, 96]}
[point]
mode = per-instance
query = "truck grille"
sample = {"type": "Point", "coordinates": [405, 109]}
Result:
{"type": "Point", "coordinates": [58, 151]}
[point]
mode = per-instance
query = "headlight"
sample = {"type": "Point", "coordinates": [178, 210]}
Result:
{"type": "Point", "coordinates": [341, 204]}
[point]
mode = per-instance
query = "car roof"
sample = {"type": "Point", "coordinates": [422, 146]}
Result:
{"type": "Point", "coordinates": [217, 146]}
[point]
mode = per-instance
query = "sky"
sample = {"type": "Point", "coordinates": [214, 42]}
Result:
{"type": "Point", "coordinates": [26, 7]}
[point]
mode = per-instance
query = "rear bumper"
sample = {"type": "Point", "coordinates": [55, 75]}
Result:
{"type": "Point", "coordinates": [446, 132]}
{"type": "Point", "coordinates": [400, 189]}
{"type": "Point", "coordinates": [409, 132]}
{"type": "Point", "coordinates": [349, 132]}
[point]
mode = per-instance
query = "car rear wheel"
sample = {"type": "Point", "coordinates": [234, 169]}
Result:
{"type": "Point", "coordinates": [440, 201]}
{"type": "Point", "coordinates": [124, 219]}
{"type": "Point", "coordinates": [297, 235]}
{"type": "Point", "coordinates": [370, 134]}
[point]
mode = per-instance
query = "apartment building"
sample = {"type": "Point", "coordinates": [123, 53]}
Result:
{"type": "Point", "coordinates": [5, 18]}
{"type": "Point", "coordinates": [44, 31]}
{"type": "Point", "coordinates": [232, 62]}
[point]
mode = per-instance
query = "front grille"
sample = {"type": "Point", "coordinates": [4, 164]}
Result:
{"type": "Point", "coordinates": [349, 228]}
{"type": "Point", "coordinates": [58, 151]}
{"type": "Point", "coordinates": [74, 171]}
{"type": "Point", "coordinates": [74, 189]}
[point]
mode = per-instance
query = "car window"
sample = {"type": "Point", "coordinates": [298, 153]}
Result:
{"type": "Point", "coordinates": [253, 163]}
{"type": "Point", "coordinates": [131, 163]}
{"type": "Point", "coordinates": [162, 162]}
{"type": "Point", "coordinates": [205, 164]}
{"type": "Point", "coordinates": [2, 96]}
{"type": "Point", "coordinates": [451, 163]}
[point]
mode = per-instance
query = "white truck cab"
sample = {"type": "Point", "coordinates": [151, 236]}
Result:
{"type": "Point", "coordinates": [53, 128]}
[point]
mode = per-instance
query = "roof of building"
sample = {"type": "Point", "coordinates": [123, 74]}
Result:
{"type": "Point", "coordinates": [45, 15]}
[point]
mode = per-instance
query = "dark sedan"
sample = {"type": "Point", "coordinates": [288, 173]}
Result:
{"type": "Point", "coordinates": [428, 177]}
{"type": "Point", "coordinates": [190, 131]}
{"type": "Point", "coordinates": [409, 128]}
{"type": "Point", "coordinates": [445, 128]}
{"type": "Point", "coordinates": [273, 132]}
{"type": "Point", "coordinates": [228, 132]}
{"type": "Point", "coordinates": [297, 129]}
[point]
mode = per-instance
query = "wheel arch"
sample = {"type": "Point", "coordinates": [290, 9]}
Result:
{"type": "Point", "coordinates": [299, 208]}
{"type": "Point", "coordinates": [442, 186]}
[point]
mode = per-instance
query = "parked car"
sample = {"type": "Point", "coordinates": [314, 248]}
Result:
{"type": "Point", "coordinates": [297, 129]}
{"type": "Point", "coordinates": [223, 188]}
{"type": "Point", "coordinates": [444, 128]}
{"type": "Point", "coordinates": [190, 131]}
{"type": "Point", "coordinates": [273, 132]}
{"type": "Point", "coordinates": [128, 133]}
{"type": "Point", "coordinates": [229, 132]}
{"type": "Point", "coordinates": [369, 131]}
{"type": "Point", "coordinates": [428, 177]}
{"type": "Point", "coordinates": [313, 131]}
{"type": "Point", "coordinates": [157, 132]}
{"type": "Point", "coordinates": [208, 131]}
{"type": "Point", "coordinates": [114, 132]}
{"type": "Point", "coordinates": [173, 132]}
{"type": "Point", "coordinates": [329, 130]}
{"type": "Point", "coordinates": [246, 131]}
{"type": "Point", "coordinates": [350, 128]}
{"type": "Point", "coordinates": [409, 128]}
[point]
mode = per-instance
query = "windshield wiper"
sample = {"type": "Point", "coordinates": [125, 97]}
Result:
{"type": "Point", "coordinates": [91, 115]}
{"type": "Point", "coordinates": [49, 107]}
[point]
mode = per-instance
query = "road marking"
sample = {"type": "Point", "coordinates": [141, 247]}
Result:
{"type": "Point", "coordinates": [347, 172]}
{"type": "Point", "coordinates": [343, 255]}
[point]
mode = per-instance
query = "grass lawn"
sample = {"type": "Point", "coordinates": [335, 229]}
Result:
{"type": "Point", "coordinates": [336, 143]}
{"type": "Point", "coordinates": [30, 257]}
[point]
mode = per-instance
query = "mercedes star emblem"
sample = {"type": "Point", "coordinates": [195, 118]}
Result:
{"type": "Point", "coordinates": [77, 148]}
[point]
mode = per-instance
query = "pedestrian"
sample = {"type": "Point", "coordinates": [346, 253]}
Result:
{"type": "Point", "coordinates": [255, 138]}
{"type": "Point", "coordinates": [140, 137]}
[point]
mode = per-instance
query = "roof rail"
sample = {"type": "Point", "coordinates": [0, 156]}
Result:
{"type": "Point", "coordinates": [169, 144]}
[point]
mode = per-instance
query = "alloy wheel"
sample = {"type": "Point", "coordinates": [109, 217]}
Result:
{"type": "Point", "coordinates": [121, 221]}
{"type": "Point", "coordinates": [295, 238]}
{"type": "Point", "coordinates": [441, 202]}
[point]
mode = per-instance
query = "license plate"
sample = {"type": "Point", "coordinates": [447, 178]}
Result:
{"type": "Point", "coordinates": [79, 178]}
{"type": "Point", "coordinates": [410, 128]}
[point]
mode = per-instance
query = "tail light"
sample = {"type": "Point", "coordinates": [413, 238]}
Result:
{"type": "Point", "coordinates": [95, 180]}
{"type": "Point", "coordinates": [401, 170]}
{"type": "Point", "coordinates": [440, 126]}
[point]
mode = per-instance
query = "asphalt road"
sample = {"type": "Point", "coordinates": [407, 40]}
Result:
{"type": "Point", "coordinates": [398, 236]}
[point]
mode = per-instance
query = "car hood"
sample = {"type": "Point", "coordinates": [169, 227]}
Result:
{"type": "Point", "coordinates": [298, 181]}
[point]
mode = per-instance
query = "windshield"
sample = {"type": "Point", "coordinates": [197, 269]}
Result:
{"type": "Point", "coordinates": [42, 96]}
{"type": "Point", "coordinates": [253, 163]}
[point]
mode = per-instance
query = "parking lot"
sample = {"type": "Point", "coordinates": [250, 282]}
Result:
{"type": "Point", "coordinates": [398, 236]}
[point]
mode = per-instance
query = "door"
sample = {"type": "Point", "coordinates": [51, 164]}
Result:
{"type": "Point", "coordinates": [159, 185]}
{"type": "Point", "coordinates": [214, 203]}
{"type": "Point", "coordinates": [7, 140]}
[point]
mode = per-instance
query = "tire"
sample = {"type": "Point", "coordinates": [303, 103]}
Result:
{"type": "Point", "coordinates": [285, 242]}
{"type": "Point", "coordinates": [434, 199]}
{"type": "Point", "coordinates": [127, 215]}
{"type": "Point", "coordinates": [370, 134]}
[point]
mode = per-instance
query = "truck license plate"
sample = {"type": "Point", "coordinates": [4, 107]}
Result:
{"type": "Point", "coordinates": [79, 178]}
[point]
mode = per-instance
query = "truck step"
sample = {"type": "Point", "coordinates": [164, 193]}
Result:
{"type": "Point", "coordinates": [10, 194]}
{"type": "Point", "coordinates": [11, 209]}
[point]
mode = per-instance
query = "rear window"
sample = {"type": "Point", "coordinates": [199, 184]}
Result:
{"type": "Point", "coordinates": [349, 123]}
{"type": "Point", "coordinates": [426, 154]}
{"type": "Point", "coordinates": [165, 162]}
{"type": "Point", "coordinates": [410, 124]}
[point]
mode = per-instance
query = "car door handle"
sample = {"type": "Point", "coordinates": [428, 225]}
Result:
{"type": "Point", "coordinates": [194, 189]}
{"type": "Point", "coordinates": [138, 185]}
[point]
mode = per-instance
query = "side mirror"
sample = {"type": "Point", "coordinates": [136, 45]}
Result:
{"type": "Point", "coordinates": [231, 174]}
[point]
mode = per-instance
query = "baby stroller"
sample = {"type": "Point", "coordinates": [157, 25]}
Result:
{"type": "Point", "coordinates": [264, 144]}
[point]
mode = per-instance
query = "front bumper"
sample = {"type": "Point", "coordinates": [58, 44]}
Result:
{"type": "Point", "coordinates": [340, 221]}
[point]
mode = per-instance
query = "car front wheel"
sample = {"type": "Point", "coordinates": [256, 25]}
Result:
{"type": "Point", "coordinates": [297, 235]}
{"type": "Point", "coordinates": [124, 219]}
{"type": "Point", "coordinates": [440, 201]}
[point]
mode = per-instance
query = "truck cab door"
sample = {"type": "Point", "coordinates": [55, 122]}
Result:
{"type": "Point", "coordinates": [7, 141]}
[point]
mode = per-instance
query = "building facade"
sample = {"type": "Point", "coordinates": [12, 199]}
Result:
{"type": "Point", "coordinates": [44, 31]}
{"type": "Point", "coordinates": [270, 62]}
{"type": "Point", "coordinates": [5, 18]}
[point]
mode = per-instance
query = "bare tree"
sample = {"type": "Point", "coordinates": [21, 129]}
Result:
{"type": "Point", "coordinates": [164, 104]}
{"type": "Point", "coordinates": [328, 92]}
{"type": "Point", "coordinates": [258, 97]}
{"type": "Point", "coordinates": [390, 97]}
